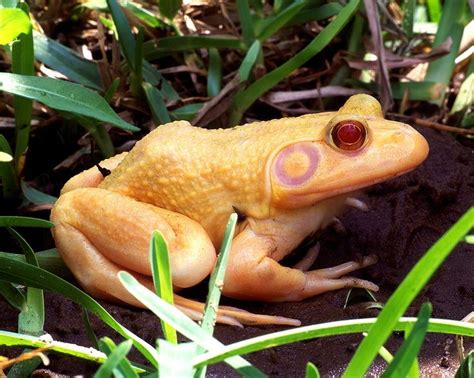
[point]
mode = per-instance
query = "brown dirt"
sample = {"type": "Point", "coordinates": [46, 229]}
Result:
{"type": "Point", "coordinates": [407, 215]}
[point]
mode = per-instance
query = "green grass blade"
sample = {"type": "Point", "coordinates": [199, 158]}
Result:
{"type": "Point", "coordinates": [35, 196]}
{"type": "Point", "coordinates": [280, 20]}
{"type": "Point", "coordinates": [247, 97]}
{"type": "Point", "coordinates": [124, 367]}
{"type": "Point", "coordinates": [137, 74]}
{"type": "Point", "coordinates": [311, 371]}
{"type": "Point", "coordinates": [155, 48]}
{"type": "Point", "coordinates": [31, 318]}
{"type": "Point", "coordinates": [466, 370]}
{"type": "Point", "coordinates": [176, 359]}
{"type": "Point", "coordinates": [157, 104]}
{"type": "Point", "coordinates": [62, 95]}
{"type": "Point", "coordinates": [22, 63]}
{"type": "Point", "coordinates": [13, 22]}
{"type": "Point", "coordinates": [143, 14]}
{"type": "Point", "coordinates": [186, 112]}
{"type": "Point", "coordinates": [12, 295]}
{"type": "Point", "coordinates": [249, 60]}
{"type": "Point", "coordinates": [62, 59]}
{"type": "Point", "coordinates": [408, 10]}
{"type": "Point", "coordinates": [182, 323]}
{"type": "Point", "coordinates": [155, 78]}
{"type": "Point", "coordinates": [406, 293]}
{"type": "Point", "coordinates": [453, 19]}
{"type": "Point", "coordinates": [408, 352]}
{"type": "Point", "coordinates": [125, 36]}
{"type": "Point", "coordinates": [48, 259]}
{"type": "Point", "coordinates": [214, 73]}
{"type": "Point", "coordinates": [216, 282]}
{"type": "Point", "coordinates": [161, 271]}
{"type": "Point", "coordinates": [15, 339]}
{"type": "Point", "coordinates": [25, 274]}
{"type": "Point", "coordinates": [114, 360]}
{"type": "Point", "coordinates": [316, 13]}
{"type": "Point", "coordinates": [342, 327]}
{"type": "Point", "coordinates": [246, 23]}
{"type": "Point", "coordinates": [17, 221]}
{"type": "Point", "coordinates": [8, 179]}
{"type": "Point", "coordinates": [169, 8]}
{"type": "Point", "coordinates": [434, 10]}
{"type": "Point", "coordinates": [89, 330]}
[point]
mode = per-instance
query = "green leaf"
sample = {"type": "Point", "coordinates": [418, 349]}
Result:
{"type": "Point", "coordinates": [408, 352]}
{"type": "Point", "coordinates": [157, 105]}
{"type": "Point", "coordinates": [28, 275]}
{"type": "Point", "coordinates": [186, 112]}
{"type": "Point", "coordinates": [154, 49]}
{"type": "Point", "coordinates": [35, 196]}
{"type": "Point", "coordinates": [311, 371]}
{"type": "Point", "coordinates": [466, 370]}
{"type": "Point", "coordinates": [453, 20]}
{"type": "Point", "coordinates": [280, 20]}
{"type": "Point", "coordinates": [342, 327]}
{"type": "Point", "coordinates": [12, 295]}
{"type": "Point", "coordinates": [408, 10]}
{"type": "Point", "coordinates": [216, 282]}
{"type": "Point", "coordinates": [15, 339]}
{"type": "Point", "coordinates": [316, 13]}
{"type": "Point", "coordinates": [246, 23]}
{"type": "Point", "coordinates": [176, 360]}
{"type": "Point", "coordinates": [62, 95]}
{"type": "Point", "coordinates": [169, 8]}
{"type": "Point", "coordinates": [249, 61]}
{"type": "Point", "coordinates": [16, 221]}
{"type": "Point", "coordinates": [434, 10]}
{"type": "Point", "coordinates": [116, 359]}
{"type": "Point", "coordinates": [62, 59]}
{"type": "Point", "coordinates": [13, 22]}
{"type": "Point", "coordinates": [48, 259]}
{"type": "Point", "coordinates": [406, 292]}
{"type": "Point", "coordinates": [244, 99]}
{"type": "Point", "coordinates": [161, 271]}
{"type": "Point", "coordinates": [214, 73]}
{"type": "Point", "coordinates": [31, 317]}
{"type": "Point", "coordinates": [181, 322]}
{"type": "Point", "coordinates": [125, 36]}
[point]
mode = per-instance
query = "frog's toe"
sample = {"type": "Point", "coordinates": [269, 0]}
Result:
{"type": "Point", "coordinates": [309, 258]}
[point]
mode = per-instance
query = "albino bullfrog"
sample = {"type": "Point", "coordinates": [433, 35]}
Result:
{"type": "Point", "coordinates": [287, 178]}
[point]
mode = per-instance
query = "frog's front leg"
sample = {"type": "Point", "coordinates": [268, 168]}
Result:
{"type": "Point", "coordinates": [253, 274]}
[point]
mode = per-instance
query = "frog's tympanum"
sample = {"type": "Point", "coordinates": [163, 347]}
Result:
{"type": "Point", "coordinates": [287, 178]}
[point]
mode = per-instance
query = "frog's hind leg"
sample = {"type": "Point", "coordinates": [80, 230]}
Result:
{"type": "Point", "coordinates": [99, 233]}
{"type": "Point", "coordinates": [93, 224]}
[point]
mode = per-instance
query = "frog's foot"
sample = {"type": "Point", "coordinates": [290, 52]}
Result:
{"type": "Point", "coordinates": [231, 315]}
{"type": "Point", "coordinates": [332, 278]}
{"type": "Point", "coordinates": [357, 204]}
{"type": "Point", "coordinates": [308, 259]}
{"type": "Point", "coordinates": [253, 274]}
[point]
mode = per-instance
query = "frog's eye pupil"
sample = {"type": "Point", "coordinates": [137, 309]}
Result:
{"type": "Point", "coordinates": [349, 135]}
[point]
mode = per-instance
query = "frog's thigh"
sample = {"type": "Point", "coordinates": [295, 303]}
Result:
{"type": "Point", "coordinates": [95, 227]}
{"type": "Point", "coordinates": [253, 274]}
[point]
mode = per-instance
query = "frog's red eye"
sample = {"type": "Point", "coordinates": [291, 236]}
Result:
{"type": "Point", "coordinates": [349, 135]}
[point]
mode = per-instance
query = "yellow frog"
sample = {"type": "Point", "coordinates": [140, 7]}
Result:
{"type": "Point", "coordinates": [287, 178]}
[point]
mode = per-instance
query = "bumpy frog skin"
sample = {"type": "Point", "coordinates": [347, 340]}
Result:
{"type": "Point", "coordinates": [288, 178]}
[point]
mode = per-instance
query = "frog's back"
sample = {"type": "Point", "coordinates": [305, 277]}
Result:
{"type": "Point", "coordinates": [203, 173]}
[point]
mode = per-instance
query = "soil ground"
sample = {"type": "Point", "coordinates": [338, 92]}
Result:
{"type": "Point", "coordinates": [407, 215]}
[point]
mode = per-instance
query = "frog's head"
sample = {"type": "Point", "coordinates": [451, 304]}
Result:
{"type": "Point", "coordinates": [348, 150]}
